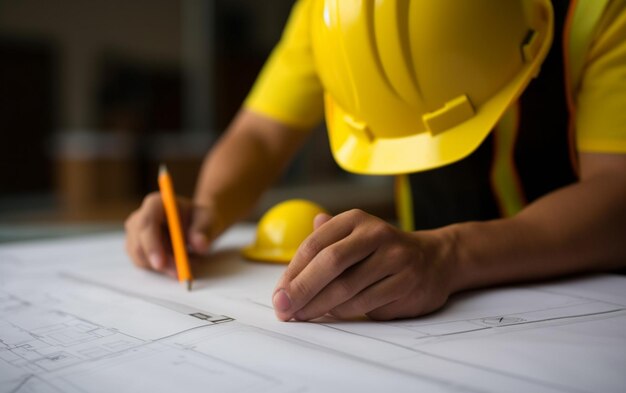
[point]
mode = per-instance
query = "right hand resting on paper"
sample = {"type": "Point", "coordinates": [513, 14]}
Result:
{"type": "Point", "coordinates": [147, 239]}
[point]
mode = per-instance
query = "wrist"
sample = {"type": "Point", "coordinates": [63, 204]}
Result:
{"type": "Point", "coordinates": [439, 248]}
{"type": "Point", "coordinates": [484, 253]}
{"type": "Point", "coordinates": [455, 257]}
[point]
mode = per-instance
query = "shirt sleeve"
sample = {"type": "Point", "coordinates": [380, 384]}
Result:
{"type": "Point", "coordinates": [601, 100]}
{"type": "Point", "coordinates": [288, 88]}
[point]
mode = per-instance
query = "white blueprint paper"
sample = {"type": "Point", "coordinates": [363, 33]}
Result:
{"type": "Point", "coordinates": [76, 316]}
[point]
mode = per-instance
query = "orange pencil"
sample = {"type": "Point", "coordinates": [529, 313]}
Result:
{"type": "Point", "coordinates": [173, 223]}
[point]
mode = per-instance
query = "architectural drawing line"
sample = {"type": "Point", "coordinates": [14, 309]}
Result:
{"type": "Point", "coordinates": [559, 318]}
{"type": "Point", "coordinates": [429, 336]}
{"type": "Point", "coordinates": [576, 296]}
{"type": "Point", "coordinates": [522, 322]}
{"type": "Point", "coordinates": [467, 364]}
{"type": "Point", "coordinates": [529, 311]}
{"type": "Point", "coordinates": [22, 383]}
{"type": "Point", "coordinates": [170, 305]}
{"type": "Point", "coordinates": [412, 374]}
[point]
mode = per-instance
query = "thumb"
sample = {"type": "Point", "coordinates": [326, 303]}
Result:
{"type": "Point", "coordinates": [200, 230]}
{"type": "Point", "coordinates": [320, 219]}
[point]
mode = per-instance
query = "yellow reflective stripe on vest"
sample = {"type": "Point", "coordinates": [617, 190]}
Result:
{"type": "Point", "coordinates": [404, 203]}
{"type": "Point", "coordinates": [505, 181]}
{"type": "Point", "coordinates": [578, 36]}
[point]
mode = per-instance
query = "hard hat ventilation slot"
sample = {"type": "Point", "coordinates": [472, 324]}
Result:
{"type": "Point", "coordinates": [530, 46]}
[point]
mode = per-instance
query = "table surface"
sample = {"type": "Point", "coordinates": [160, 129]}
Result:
{"type": "Point", "coordinates": [76, 316]}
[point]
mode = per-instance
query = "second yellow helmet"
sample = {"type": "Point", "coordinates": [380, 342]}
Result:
{"type": "Point", "coordinates": [281, 230]}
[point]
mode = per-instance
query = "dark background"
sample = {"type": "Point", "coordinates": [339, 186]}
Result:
{"type": "Point", "coordinates": [94, 95]}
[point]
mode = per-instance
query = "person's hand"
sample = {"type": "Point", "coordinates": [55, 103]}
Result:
{"type": "Point", "coordinates": [355, 264]}
{"type": "Point", "coordinates": [147, 239]}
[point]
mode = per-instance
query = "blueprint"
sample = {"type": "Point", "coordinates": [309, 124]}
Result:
{"type": "Point", "coordinates": [76, 316]}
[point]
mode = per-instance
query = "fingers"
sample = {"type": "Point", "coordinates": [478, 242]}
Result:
{"type": "Point", "coordinates": [133, 246]}
{"type": "Point", "coordinates": [325, 268]}
{"type": "Point", "coordinates": [202, 229]}
{"type": "Point", "coordinates": [145, 240]}
{"type": "Point", "coordinates": [406, 293]}
{"type": "Point", "coordinates": [136, 225]}
{"type": "Point", "coordinates": [325, 255]}
{"type": "Point", "coordinates": [322, 237]}
{"type": "Point", "coordinates": [316, 242]}
{"type": "Point", "coordinates": [320, 219]}
{"type": "Point", "coordinates": [349, 288]}
{"type": "Point", "coordinates": [151, 239]}
{"type": "Point", "coordinates": [378, 301]}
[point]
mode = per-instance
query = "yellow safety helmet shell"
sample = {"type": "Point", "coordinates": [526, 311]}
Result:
{"type": "Point", "coordinates": [417, 84]}
{"type": "Point", "coordinates": [281, 230]}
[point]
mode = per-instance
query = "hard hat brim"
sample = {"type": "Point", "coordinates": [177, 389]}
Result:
{"type": "Point", "coordinates": [421, 151]}
{"type": "Point", "coordinates": [256, 254]}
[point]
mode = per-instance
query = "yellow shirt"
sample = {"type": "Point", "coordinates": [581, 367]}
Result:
{"type": "Point", "coordinates": [600, 93]}
{"type": "Point", "coordinates": [288, 89]}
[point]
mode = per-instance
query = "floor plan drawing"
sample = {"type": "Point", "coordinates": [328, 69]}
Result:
{"type": "Point", "coordinates": [39, 344]}
{"type": "Point", "coordinates": [44, 350]}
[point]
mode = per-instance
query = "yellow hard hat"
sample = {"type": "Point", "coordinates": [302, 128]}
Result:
{"type": "Point", "coordinates": [416, 84]}
{"type": "Point", "coordinates": [281, 230]}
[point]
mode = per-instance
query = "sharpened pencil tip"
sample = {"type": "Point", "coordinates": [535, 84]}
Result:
{"type": "Point", "coordinates": [162, 169]}
{"type": "Point", "coordinates": [189, 282]}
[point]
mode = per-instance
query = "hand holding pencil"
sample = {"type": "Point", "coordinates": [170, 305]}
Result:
{"type": "Point", "coordinates": [147, 239]}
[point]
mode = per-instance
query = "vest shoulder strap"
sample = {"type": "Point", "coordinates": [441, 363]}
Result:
{"type": "Point", "coordinates": [582, 22]}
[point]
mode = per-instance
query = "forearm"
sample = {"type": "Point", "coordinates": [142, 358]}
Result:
{"type": "Point", "coordinates": [579, 228]}
{"type": "Point", "coordinates": [246, 160]}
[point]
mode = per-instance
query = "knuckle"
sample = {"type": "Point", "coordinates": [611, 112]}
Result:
{"type": "Point", "coordinates": [344, 289]}
{"type": "Point", "coordinates": [382, 230]}
{"type": "Point", "coordinates": [309, 248]}
{"type": "Point", "coordinates": [347, 310]}
{"type": "Point", "coordinates": [151, 199]}
{"type": "Point", "coordinates": [399, 253]}
{"type": "Point", "coordinates": [154, 196]}
{"type": "Point", "coordinates": [147, 219]}
{"type": "Point", "coordinates": [363, 304]}
{"type": "Point", "coordinates": [356, 215]}
{"type": "Point", "coordinates": [332, 258]}
{"type": "Point", "coordinates": [357, 306]}
{"type": "Point", "coordinates": [299, 289]}
{"type": "Point", "coordinates": [341, 312]}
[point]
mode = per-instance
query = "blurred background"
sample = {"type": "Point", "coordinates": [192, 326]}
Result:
{"type": "Point", "coordinates": [95, 94]}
